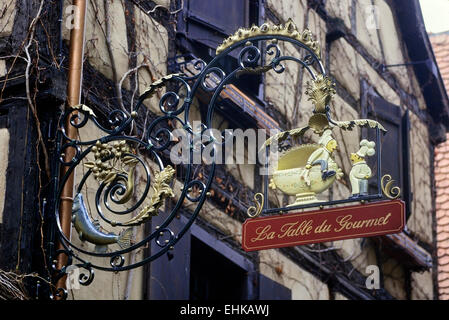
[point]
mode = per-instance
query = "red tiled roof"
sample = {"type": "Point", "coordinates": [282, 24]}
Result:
{"type": "Point", "coordinates": [440, 44]}
{"type": "Point", "coordinates": [442, 272]}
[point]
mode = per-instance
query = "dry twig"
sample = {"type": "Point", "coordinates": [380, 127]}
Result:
{"type": "Point", "coordinates": [11, 286]}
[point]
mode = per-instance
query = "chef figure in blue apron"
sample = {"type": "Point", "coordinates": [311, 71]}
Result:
{"type": "Point", "coordinates": [361, 172]}
{"type": "Point", "coordinates": [321, 157]}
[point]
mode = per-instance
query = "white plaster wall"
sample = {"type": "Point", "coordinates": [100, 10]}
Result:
{"type": "Point", "coordinates": [4, 151]}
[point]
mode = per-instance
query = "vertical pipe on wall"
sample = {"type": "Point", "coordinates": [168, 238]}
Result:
{"type": "Point", "coordinates": [74, 85]}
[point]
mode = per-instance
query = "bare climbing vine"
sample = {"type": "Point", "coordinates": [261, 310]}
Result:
{"type": "Point", "coordinates": [11, 283]}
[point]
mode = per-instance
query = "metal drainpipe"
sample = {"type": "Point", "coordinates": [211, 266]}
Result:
{"type": "Point", "coordinates": [74, 86]}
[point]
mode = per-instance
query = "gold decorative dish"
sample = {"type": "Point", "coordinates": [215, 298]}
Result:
{"type": "Point", "coordinates": [289, 178]}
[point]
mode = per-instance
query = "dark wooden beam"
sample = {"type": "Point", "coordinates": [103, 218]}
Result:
{"type": "Point", "coordinates": [20, 214]}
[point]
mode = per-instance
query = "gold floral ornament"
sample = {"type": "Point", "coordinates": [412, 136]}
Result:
{"type": "Point", "coordinates": [288, 30]}
{"type": "Point", "coordinates": [162, 191]}
{"type": "Point", "coordinates": [110, 160]}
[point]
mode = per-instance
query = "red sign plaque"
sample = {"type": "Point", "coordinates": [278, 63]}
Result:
{"type": "Point", "coordinates": [366, 220]}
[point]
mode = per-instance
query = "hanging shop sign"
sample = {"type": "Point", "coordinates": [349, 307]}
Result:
{"type": "Point", "coordinates": [301, 170]}
{"type": "Point", "coordinates": [358, 221]}
{"type": "Point", "coordinates": [126, 177]}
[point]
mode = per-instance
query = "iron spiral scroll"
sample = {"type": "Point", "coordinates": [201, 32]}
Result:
{"type": "Point", "coordinates": [109, 162]}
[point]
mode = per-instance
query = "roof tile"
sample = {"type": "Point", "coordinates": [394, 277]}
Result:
{"type": "Point", "coordinates": [442, 235]}
{"type": "Point", "coordinates": [443, 220]}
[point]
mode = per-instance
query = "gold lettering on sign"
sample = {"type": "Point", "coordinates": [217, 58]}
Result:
{"type": "Point", "coordinates": [294, 229]}
{"type": "Point", "coordinates": [263, 233]}
{"type": "Point", "coordinates": [323, 227]}
{"type": "Point", "coordinates": [306, 227]}
{"type": "Point", "coordinates": [345, 222]}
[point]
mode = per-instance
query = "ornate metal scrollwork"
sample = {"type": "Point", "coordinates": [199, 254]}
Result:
{"type": "Point", "coordinates": [390, 191]}
{"type": "Point", "coordinates": [120, 191]}
{"type": "Point", "coordinates": [254, 211]}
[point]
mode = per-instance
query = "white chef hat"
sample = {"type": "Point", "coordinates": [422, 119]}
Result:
{"type": "Point", "coordinates": [326, 137]}
{"type": "Point", "coordinates": [366, 148]}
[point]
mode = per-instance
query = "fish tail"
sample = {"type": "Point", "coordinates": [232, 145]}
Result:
{"type": "Point", "coordinates": [76, 204]}
{"type": "Point", "coordinates": [124, 239]}
{"type": "Point", "coordinates": [101, 248]}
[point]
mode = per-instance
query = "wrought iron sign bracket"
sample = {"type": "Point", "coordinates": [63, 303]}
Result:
{"type": "Point", "coordinates": [110, 205]}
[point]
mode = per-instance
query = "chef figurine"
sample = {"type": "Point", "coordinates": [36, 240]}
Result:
{"type": "Point", "coordinates": [321, 157]}
{"type": "Point", "coordinates": [360, 172]}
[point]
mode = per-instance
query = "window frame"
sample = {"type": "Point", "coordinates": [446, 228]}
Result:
{"type": "Point", "coordinates": [160, 271]}
{"type": "Point", "coordinates": [204, 47]}
{"type": "Point", "coordinates": [233, 256]}
{"type": "Point", "coordinates": [373, 105]}
{"type": "Point", "coordinates": [189, 16]}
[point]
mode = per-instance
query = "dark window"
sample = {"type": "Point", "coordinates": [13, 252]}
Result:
{"type": "Point", "coordinates": [169, 274]}
{"type": "Point", "coordinates": [212, 276]}
{"type": "Point", "coordinates": [204, 24]}
{"type": "Point", "coordinates": [272, 290]}
{"type": "Point", "coordinates": [208, 22]}
{"type": "Point", "coordinates": [202, 267]}
{"type": "Point", "coordinates": [199, 267]}
{"type": "Point", "coordinates": [395, 143]}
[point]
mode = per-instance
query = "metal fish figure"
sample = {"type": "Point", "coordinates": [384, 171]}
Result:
{"type": "Point", "coordinates": [90, 231]}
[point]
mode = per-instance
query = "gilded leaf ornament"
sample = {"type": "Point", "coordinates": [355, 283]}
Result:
{"type": "Point", "coordinates": [162, 191]}
{"type": "Point", "coordinates": [349, 125]}
{"type": "Point", "coordinates": [288, 30]}
{"type": "Point", "coordinates": [159, 84]}
{"type": "Point", "coordinates": [320, 92]}
{"type": "Point", "coordinates": [84, 108]}
{"type": "Point", "coordinates": [256, 70]}
{"type": "Point", "coordinates": [281, 136]}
